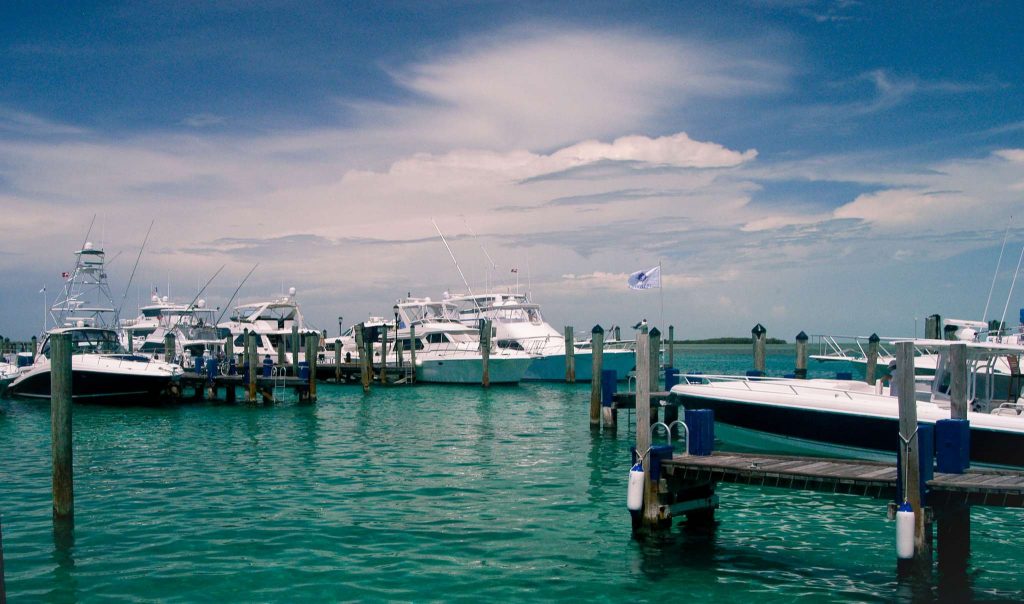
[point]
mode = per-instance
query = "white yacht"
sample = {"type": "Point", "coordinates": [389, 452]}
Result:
{"type": "Point", "coordinates": [137, 330]}
{"type": "Point", "coordinates": [449, 352]}
{"type": "Point", "coordinates": [519, 325]}
{"type": "Point", "coordinates": [195, 332]}
{"type": "Point", "coordinates": [854, 418]}
{"type": "Point", "coordinates": [272, 322]}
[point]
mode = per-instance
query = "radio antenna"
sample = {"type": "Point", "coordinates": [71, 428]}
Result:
{"type": "Point", "coordinates": [445, 241]}
{"type": "Point", "coordinates": [984, 315]}
{"type": "Point", "coordinates": [232, 299]}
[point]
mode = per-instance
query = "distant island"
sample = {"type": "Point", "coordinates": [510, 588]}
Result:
{"type": "Point", "coordinates": [746, 340]}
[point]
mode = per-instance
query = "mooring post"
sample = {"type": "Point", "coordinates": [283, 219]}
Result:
{"type": "Point", "coordinates": [957, 381]}
{"type": "Point", "coordinates": [671, 345]}
{"type": "Point", "coordinates": [871, 371]}
{"type": "Point", "coordinates": [570, 355]}
{"type": "Point", "coordinates": [337, 361]}
{"type": "Point", "coordinates": [169, 352]}
{"type": "Point", "coordinates": [312, 344]}
{"type": "Point", "coordinates": [654, 367]}
{"type": "Point", "coordinates": [282, 355]}
{"type": "Point", "coordinates": [759, 333]}
{"type": "Point", "coordinates": [295, 350]}
{"type": "Point", "coordinates": [412, 351]}
{"type": "Point", "coordinates": [643, 430]}
{"type": "Point", "coordinates": [35, 348]}
{"type": "Point", "coordinates": [253, 366]}
{"type": "Point", "coordinates": [364, 363]}
{"type": "Point", "coordinates": [384, 354]}
{"type": "Point", "coordinates": [801, 356]}
{"type": "Point", "coordinates": [60, 427]}
{"type": "Point", "coordinates": [3, 585]}
{"type": "Point", "coordinates": [485, 349]}
{"type": "Point", "coordinates": [618, 333]}
{"type": "Point", "coordinates": [131, 343]}
{"type": "Point", "coordinates": [910, 450]}
{"type": "Point", "coordinates": [596, 365]}
{"type": "Point", "coordinates": [229, 354]}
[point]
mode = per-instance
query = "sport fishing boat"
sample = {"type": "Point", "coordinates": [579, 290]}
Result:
{"type": "Point", "coordinates": [271, 322]}
{"type": "Point", "coordinates": [854, 418]}
{"type": "Point", "coordinates": [195, 335]}
{"type": "Point", "coordinates": [519, 325]}
{"type": "Point", "coordinates": [101, 371]}
{"type": "Point", "coordinates": [136, 331]}
{"type": "Point", "coordinates": [449, 352]}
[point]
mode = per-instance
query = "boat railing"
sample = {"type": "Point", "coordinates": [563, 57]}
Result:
{"type": "Point", "coordinates": [749, 382]}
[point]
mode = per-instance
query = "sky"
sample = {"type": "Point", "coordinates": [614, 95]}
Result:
{"type": "Point", "coordinates": [829, 167]}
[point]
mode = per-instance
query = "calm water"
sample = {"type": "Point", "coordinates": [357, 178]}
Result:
{"type": "Point", "coordinates": [424, 493]}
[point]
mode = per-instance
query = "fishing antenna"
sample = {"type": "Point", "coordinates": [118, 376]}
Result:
{"type": "Point", "coordinates": [137, 258]}
{"type": "Point", "coordinates": [1012, 284]}
{"type": "Point", "coordinates": [193, 302]}
{"type": "Point", "coordinates": [984, 315]}
{"type": "Point", "coordinates": [494, 267]}
{"type": "Point", "coordinates": [228, 305]}
{"type": "Point", "coordinates": [445, 241]}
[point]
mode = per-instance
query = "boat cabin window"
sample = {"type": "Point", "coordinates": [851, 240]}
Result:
{"type": "Point", "coordinates": [151, 313]}
{"type": "Point", "coordinates": [90, 342]}
{"type": "Point", "coordinates": [510, 345]}
{"type": "Point", "coordinates": [436, 338]}
{"type": "Point", "coordinates": [419, 344]}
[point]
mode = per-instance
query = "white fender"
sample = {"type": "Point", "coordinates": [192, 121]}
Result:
{"type": "Point", "coordinates": [635, 493]}
{"type": "Point", "coordinates": [905, 532]}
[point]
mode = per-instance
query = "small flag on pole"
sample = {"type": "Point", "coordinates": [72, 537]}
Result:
{"type": "Point", "coordinates": [648, 279]}
{"type": "Point", "coordinates": [43, 291]}
{"type": "Point", "coordinates": [65, 275]}
{"type": "Point", "coordinates": [515, 270]}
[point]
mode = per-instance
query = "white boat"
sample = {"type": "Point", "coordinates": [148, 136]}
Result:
{"type": "Point", "coordinates": [519, 325]}
{"type": "Point", "coordinates": [856, 418]}
{"type": "Point", "coordinates": [137, 330]}
{"type": "Point", "coordinates": [101, 371]}
{"type": "Point", "coordinates": [271, 322]}
{"type": "Point", "coordinates": [449, 352]}
{"type": "Point", "coordinates": [196, 335]}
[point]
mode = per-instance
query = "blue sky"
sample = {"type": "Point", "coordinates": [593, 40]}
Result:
{"type": "Point", "coordinates": [838, 167]}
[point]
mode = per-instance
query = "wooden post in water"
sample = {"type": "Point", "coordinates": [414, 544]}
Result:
{"type": "Point", "coordinates": [169, 347]}
{"type": "Point", "coordinates": [671, 345]}
{"type": "Point", "coordinates": [364, 372]}
{"type": "Point", "coordinates": [910, 443]}
{"type": "Point", "coordinates": [596, 364]}
{"type": "Point", "coordinates": [295, 350]}
{"type": "Point", "coordinates": [655, 362]}
{"type": "Point", "coordinates": [871, 371]}
{"type": "Point", "coordinates": [3, 586]}
{"type": "Point", "coordinates": [282, 354]}
{"type": "Point", "coordinates": [254, 366]}
{"type": "Point", "coordinates": [60, 427]}
{"type": "Point", "coordinates": [384, 354]}
{"type": "Point", "coordinates": [759, 333]}
{"type": "Point", "coordinates": [312, 344]}
{"type": "Point", "coordinates": [570, 355]}
{"type": "Point", "coordinates": [957, 381]}
{"type": "Point", "coordinates": [485, 350]}
{"type": "Point", "coordinates": [412, 350]}
{"type": "Point", "coordinates": [643, 429]}
{"type": "Point", "coordinates": [35, 348]}
{"type": "Point", "coordinates": [801, 356]}
{"type": "Point", "coordinates": [618, 333]}
{"type": "Point", "coordinates": [337, 361]}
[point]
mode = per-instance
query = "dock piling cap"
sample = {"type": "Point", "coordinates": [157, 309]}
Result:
{"type": "Point", "coordinates": [758, 330]}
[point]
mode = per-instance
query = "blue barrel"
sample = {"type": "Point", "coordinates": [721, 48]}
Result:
{"type": "Point", "coordinates": [609, 386]}
{"type": "Point", "coordinates": [952, 445]}
{"type": "Point", "coordinates": [658, 454]}
{"type": "Point", "coordinates": [754, 373]}
{"type": "Point", "coordinates": [211, 369]}
{"type": "Point", "coordinates": [844, 375]}
{"type": "Point", "coordinates": [268, 366]}
{"type": "Point", "coordinates": [700, 424]}
{"type": "Point", "coordinates": [789, 376]}
{"type": "Point", "coordinates": [671, 377]}
{"type": "Point", "coordinates": [303, 370]}
{"type": "Point", "coordinates": [926, 459]}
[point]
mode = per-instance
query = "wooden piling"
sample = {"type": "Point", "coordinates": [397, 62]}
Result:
{"type": "Point", "coordinates": [35, 348]}
{"type": "Point", "coordinates": [596, 364]}
{"type": "Point", "coordinates": [312, 344]}
{"type": "Point", "coordinates": [911, 453]}
{"type": "Point", "coordinates": [871, 371]}
{"type": "Point", "coordinates": [364, 370]}
{"type": "Point", "coordinates": [254, 366]}
{"type": "Point", "coordinates": [570, 355]}
{"type": "Point", "coordinates": [759, 333]}
{"type": "Point", "coordinates": [229, 352]}
{"type": "Point", "coordinates": [654, 366]}
{"type": "Point", "coordinates": [412, 350]}
{"type": "Point", "coordinates": [60, 427]}
{"type": "Point", "coordinates": [282, 354]}
{"type": "Point", "coordinates": [801, 356]}
{"type": "Point", "coordinates": [3, 584]}
{"type": "Point", "coordinates": [649, 518]}
{"type": "Point", "coordinates": [384, 355]}
{"type": "Point", "coordinates": [618, 333]}
{"type": "Point", "coordinates": [169, 352]}
{"type": "Point", "coordinates": [295, 350]}
{"type": "Point", "coordinates": [485, 350]}
{"type": "Point", "coordinates": [671, 345]}
{"type": "Point", "coordinates": [337, 361]}
{"type": "Point", "coordinates": [957, 381]}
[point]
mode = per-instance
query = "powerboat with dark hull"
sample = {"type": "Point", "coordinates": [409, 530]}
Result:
{"type": "Point", "coordinates": [859, 419]}
{"type": "Point", "coordinates": [101, 372]}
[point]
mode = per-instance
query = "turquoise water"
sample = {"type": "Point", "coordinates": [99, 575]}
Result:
{"type": "Point", "coordinates": [424, 494]}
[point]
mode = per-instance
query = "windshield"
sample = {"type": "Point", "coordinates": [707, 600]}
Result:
{"type": "Point", "coordinates": [90, 342]}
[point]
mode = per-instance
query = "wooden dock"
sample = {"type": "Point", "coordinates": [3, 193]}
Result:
{"type": "Point", "coordinates": [988, 487]}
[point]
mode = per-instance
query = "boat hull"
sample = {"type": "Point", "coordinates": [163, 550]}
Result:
{"type": "Point", "coordinates": [847, 430]}
{"type": "Point", "coordinates": [90, 385]}
{"type": "Point", "coordinates": [470, 371]}
{"type": "Point", "coordinates": [551, 368]}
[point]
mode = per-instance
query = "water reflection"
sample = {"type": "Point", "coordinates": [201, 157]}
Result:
{"type": "Point", "coordinates": [65, 585]}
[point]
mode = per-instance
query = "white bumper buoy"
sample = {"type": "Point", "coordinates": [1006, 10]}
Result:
{"type": "Point", "coordinates": [635, 494]}
{"type": "Point", "coordinates": [905, 532]}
